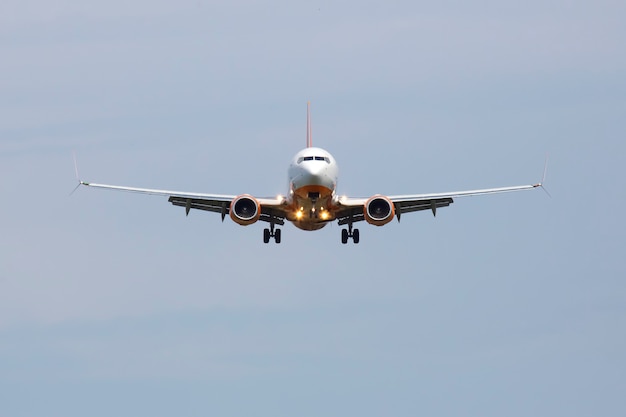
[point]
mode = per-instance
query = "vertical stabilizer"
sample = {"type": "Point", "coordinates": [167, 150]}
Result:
{"type": "Point", "coordinates": [309, 138]}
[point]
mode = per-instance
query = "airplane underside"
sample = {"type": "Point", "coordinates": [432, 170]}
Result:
{"type": "Point", "coordinates": [312, 209]}
{"type": "Point", "coordinates": [309, 226]}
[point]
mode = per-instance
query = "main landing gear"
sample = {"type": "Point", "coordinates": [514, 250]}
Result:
{"type": "Point", "coordinates": [271, 233]}
{"type": "Point", "coordinates": [349, 233]}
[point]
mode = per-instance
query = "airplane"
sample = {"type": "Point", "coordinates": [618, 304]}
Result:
{"type": "Point", "coordinates": [312, 201]}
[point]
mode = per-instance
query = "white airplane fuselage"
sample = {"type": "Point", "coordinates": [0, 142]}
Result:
{"type": "Point", "coordinates": [313, 175]}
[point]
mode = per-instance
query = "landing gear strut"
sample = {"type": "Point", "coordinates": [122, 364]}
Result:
{"type": "Point", "coordinates": [349, 233]}
{"type": "Point", "coordinates": [271, 233]}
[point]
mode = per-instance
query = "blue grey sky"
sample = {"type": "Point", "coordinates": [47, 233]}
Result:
{"type": "Point", "coordinates": [116, 304]}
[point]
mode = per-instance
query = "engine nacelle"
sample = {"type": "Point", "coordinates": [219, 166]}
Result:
{"type": "Point", "coordinates": [379, 210]}
{"type": "Point", "coordinates": [245, 210]}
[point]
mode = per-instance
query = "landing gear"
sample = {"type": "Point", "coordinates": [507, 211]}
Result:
{"type": "Point", "coordinates": [349, 233]}
{"type": "Point", "coordinates": [271, 233]}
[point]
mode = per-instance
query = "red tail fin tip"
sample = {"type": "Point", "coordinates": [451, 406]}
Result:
{"type": "Point", "coordinates": [309, 136]}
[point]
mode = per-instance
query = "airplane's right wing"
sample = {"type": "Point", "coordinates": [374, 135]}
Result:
{"type": "Point", "coordinates": [271, 209]}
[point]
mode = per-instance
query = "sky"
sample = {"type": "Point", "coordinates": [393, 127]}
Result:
{"type": "Point", "coordinates": [117, 304]}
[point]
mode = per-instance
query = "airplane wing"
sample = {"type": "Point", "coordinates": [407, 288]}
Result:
{"type": "Point", "coordinates": [217, 203]}
{"type": "Point", "coordinates": [353, 208]}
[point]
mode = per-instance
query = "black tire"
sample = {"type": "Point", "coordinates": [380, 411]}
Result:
{"type": "Point", "coordinates": [277, 236]}
{"type": "Point", "coordinates": [356, 236]}
{"type": "Point", "coordinates": [266, 235]}
{"type": "Point", "coordinates": [344, 236]}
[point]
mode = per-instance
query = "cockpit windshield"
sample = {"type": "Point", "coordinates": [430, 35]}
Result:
{"type": "Point", "coordinates": [314, 158]}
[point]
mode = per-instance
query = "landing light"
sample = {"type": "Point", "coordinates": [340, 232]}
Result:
{"type": "Point", "coordinates": [299, 215]}
{"type": "Point", "coordinates": [324, 215]}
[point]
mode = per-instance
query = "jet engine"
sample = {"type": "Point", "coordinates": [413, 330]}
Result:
{"type": "Point", "coordinates": [245, 210]}
{"type": "Point", "coordinates": [379, 210]}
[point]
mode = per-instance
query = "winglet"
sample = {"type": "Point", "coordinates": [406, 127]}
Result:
{"type": "Point", "coordinates": [75, 166]}
{"type": "Point", "coordinates": [309, 138]}
{"type": "Point", "coordinates": [543, 178]}
{"type": "Point", "coordinates": [77, 176]}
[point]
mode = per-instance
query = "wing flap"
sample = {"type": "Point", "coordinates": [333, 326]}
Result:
{"type": "Point", "coordinates": [215, 206]}
{"type": "Point", "coordinates": [418, 205]}
{"type": "Point", "coordinates": [350, 214]}
{"type": "Point", "coordinates": [269, 213]}
{"type": "Point", "coordinates": [355, 213]}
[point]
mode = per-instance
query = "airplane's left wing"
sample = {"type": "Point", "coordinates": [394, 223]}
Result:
{"type": "Point", "coordinates": [410, 203]}
{"type": "Point", "coordinates": [271, 208]}
{"type": "Point", "coordinates": [357, 209]}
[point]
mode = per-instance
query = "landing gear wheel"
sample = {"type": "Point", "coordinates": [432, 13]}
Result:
{"type": "Point", "coordinates": [349, 233]}
{"type": "Point", "coordinates": [271, 233]}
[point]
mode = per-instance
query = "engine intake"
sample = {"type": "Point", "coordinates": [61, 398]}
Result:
{"type": "Point", "coordinates": [379, 210]}
{"type": "Point", "coordinates": [245, 210]}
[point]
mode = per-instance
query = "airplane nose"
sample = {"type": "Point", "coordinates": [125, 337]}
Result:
{"type": "Point", "coordinates": [316, 170]}
{"type": "Point", "coordinates": [313, 174]}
